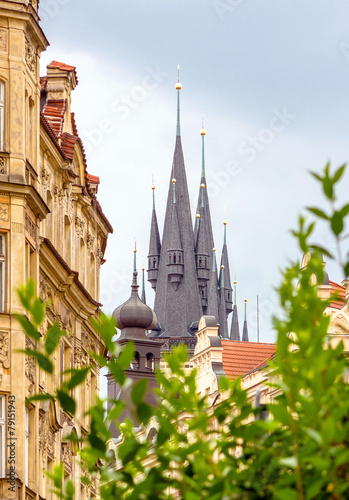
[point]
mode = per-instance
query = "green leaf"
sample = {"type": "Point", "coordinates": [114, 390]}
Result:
{"type": "Point", "coordinates": [67, 402]}
{"type": "Point", "coordinates": [314, 435]}
{"type": "Point", "coordinates": [28, 327]}
{"type": "Point", "coordinates": [144, 412]}
{"type": "Point", "coordinates": [346, 269]}
{"type": "Point", "coordinates": [52, 338]}
{"type": "Point", "coordinates": [286, 494]}
{"type": "Point", "coordinates": [42, 360]}
{"type": "Point", "coordinates": [78, 376]}
{"type": "Point", "coordinates": [139, 390]}
{"type": "Point", "coordinates": [38, 311]}
{"type": "Point", "coordinates": [318, 213]}
{"type": "Point", "coordinates": [40, 397]}
{"type": "Point", "coordinates": [338, 174]}
{"type": "Point", "coordinates": [344, 211]}
{"type": "Point", "coordinates": [337, 223]}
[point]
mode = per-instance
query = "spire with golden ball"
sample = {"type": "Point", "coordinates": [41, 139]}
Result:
{"type": "Point", "coordinates": [235, 331]}
{"type": "Point", "coordinates": [245, 328]}
{"type": "Point", "coordinates": [178, 88]}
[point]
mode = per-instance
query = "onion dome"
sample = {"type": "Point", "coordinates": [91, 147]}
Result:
{"type": "Point", "coordinates": [134, 313]}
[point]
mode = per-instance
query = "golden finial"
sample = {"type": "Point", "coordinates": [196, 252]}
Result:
{"type": "Point", "coordinates": [222, 266]}
{"type": "Point", "coordinates": [174, 181]}
{"type": "Point", "coordinates": [214, 249]}
{"type": "Point", "coordinates": [225, 222]}
{"type": "Point", "coordinates": [178, 85]}
{"type": "Point", "coordinates": [143, 268]}
{"type": "Point", "coordinates": [153, 183]}
{"type": "Point", "coordinates": [153, 187]}
{"type": "Point", "coordinates": [245, 300]}
{"type": "Point", "coordinates": [203, 131]}
{"type": "Point", "coordinates": [202, 185]}
{"type": "Point", "coordinates": [198, 216]}
{"type": "Point", "coordinates": [235, 282]}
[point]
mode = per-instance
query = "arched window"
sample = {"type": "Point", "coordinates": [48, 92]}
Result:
{"type": "Point", "coordinates": [150, 361]}
{"type": "Point", "coordinates": [154, 263]}
{"type": "Point", "coordinates": [180, 258]}
{"type": "Point", "coordinates": [174, 258]}
{"type": "Point", "coordinates": [136, 362]}
{"type": "Point", "coordinates": [200, 261]}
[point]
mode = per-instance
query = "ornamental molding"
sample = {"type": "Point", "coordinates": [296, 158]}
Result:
{"type": "Point", "coordinates": [90, 242]}
{"type": "Point", "coordinates": [4, 212]}
{"type": "Point", "coordinates": [4, 349]}
{"type": "Point", "coordinates": [30, 56]}
{"type": "Point", "coordinates": [30, 374]}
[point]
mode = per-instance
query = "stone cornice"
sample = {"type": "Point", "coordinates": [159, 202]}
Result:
{"type": "Point", "coordinates": [35, 202]}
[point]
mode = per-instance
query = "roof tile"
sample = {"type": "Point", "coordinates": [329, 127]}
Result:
{"type": "Point", "coordinates": [241, 357]}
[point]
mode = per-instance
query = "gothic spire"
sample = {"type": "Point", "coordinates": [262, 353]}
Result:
{"type": "Point", "coordinates": [178, 310]}
{"type": "Point", "coordinates": [154, 246]}
{"type": "Point", "coordinates": [212, 290]}
{"type": "Point", "coordinates": [245, 328]}
{"type": "Point", "coordinates": [226, 271]}
{"type": "Point", "coordinates": [203, 202]}
{"type": "Point", "coordinates": [143, 298]}
{"type": "Point", "coordinates": [235, 332]}
{"type": "Point", "coordinates": [223, 322]}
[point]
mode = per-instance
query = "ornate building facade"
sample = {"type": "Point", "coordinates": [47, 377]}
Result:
{"type": "Point", "coordinates": [53, 230]}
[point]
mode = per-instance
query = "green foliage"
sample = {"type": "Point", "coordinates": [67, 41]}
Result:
{"type": "Point", "coordinates": [229, 450]}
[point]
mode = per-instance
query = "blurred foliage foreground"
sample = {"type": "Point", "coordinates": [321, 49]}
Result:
{"type": "Point", "coordinates": [294, 448]}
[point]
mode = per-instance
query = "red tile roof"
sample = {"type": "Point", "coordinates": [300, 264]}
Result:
{"type": "Point", "coordinates": [52, 117]}
{"type": "Point", "coordinates": [240, 357]}
{"type": "Point", "coordinates": [93, 179]}
{"type": "Point", "coordinates": [338, 303]}
{"type": "Point", "coordinates": [54, 111]}
{"type": "Point", "coordinates": [43, 82]}
{"type": "Point", "coordinates": [63, 67]}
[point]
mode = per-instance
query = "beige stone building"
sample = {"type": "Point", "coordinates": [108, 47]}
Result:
{"type": "Point", "coordinates": [52, 229]}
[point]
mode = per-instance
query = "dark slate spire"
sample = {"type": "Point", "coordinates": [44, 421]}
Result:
{"type": "Point", "coordinates": [235, 332]}
{"type": "Point", "coordinates": [143, 286]}
{"type": "Point", "coordinates": [245, 329]}
{"type": "Point", "coordinates": [223, 322]}
{"type": "Point", "coordinates": [212, 290]}
{"type": "Point", "coordinates": [226, 271]}
{"type": "Point", "coordinates": [154, 247]}
{"type": "Point", "coordinates": [202, 256]}
{"type": "Point", "coordinates": [178, 310]}
{"type": "Point", "coordinates": [175, 252]}
{"type": "Point", "coordinates": [203, 198]}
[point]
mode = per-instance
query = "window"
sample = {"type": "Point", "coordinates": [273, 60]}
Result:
{"type": "Point", "coordinates": [150, 361]}
{"type": "Point", "coordinates": [2, 271]}
{"type": "Point", "coordinates": [2, 436]}
{"type": "Point", "coordinates": [2, 102]}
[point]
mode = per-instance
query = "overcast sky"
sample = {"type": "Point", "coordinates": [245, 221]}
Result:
{"type": "Point", "coordinates": [272, 79]}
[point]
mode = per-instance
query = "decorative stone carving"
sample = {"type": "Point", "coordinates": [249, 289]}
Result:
{"type": "Point", "coordinates": [3, 169]}
{"type": "Point", "coordinates": [3, 40]}
{"type": "Point", "coordinates": [45, 176]}
{"type": "Point", "coordinates": [79, 225]}
{"type": "Point", "coordinates": [30, 372]}
{"type": "Point", "coordinates": [30, 226]}
{"type": "Point", "coordinates": [340, 324]}
{"type": "Point", "coordinates": [48, 427]}
{"type": "Point", "coordinates": [4, 212]}
{"type": "Point", "coordinates": [4, 350]}
{"type": "Point", "coordinates": [80, 357]}
{"type": "Point", "coordinates": [99, 256]}
{"type": "Point", "coordinates": [67, 457]}
{"type": "Point", "coordinates": [30, 56]}
{"type": "Point", "coordinates": [89, 242]}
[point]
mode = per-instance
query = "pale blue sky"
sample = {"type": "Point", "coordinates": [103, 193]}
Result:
{"type": "Point", "coordinates": [244, 63]}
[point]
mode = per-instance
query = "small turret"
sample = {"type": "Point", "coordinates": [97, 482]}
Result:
{"type": "Point", "coordinates": [202, 254]}
{"type": "Point", "coordinates": [245, 328]}
{"type": "Point", "coordinates": [223, 322]}
{"type": "Point", "coordinates": [212, 290]}
{"type": "Point", "coordinates": [154, 247]}
{"type": "Point", "coordinates": [235, 331]}
{"type": "Point", "coordinates": [175, 267]}
{"type": "Point", "coordinates": [227, 284]}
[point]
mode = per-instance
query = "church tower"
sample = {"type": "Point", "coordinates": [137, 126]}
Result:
{"type": "Point", "coordinates": [172, 265]}
{"type": "Point", "coordinates": [182, 268]}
